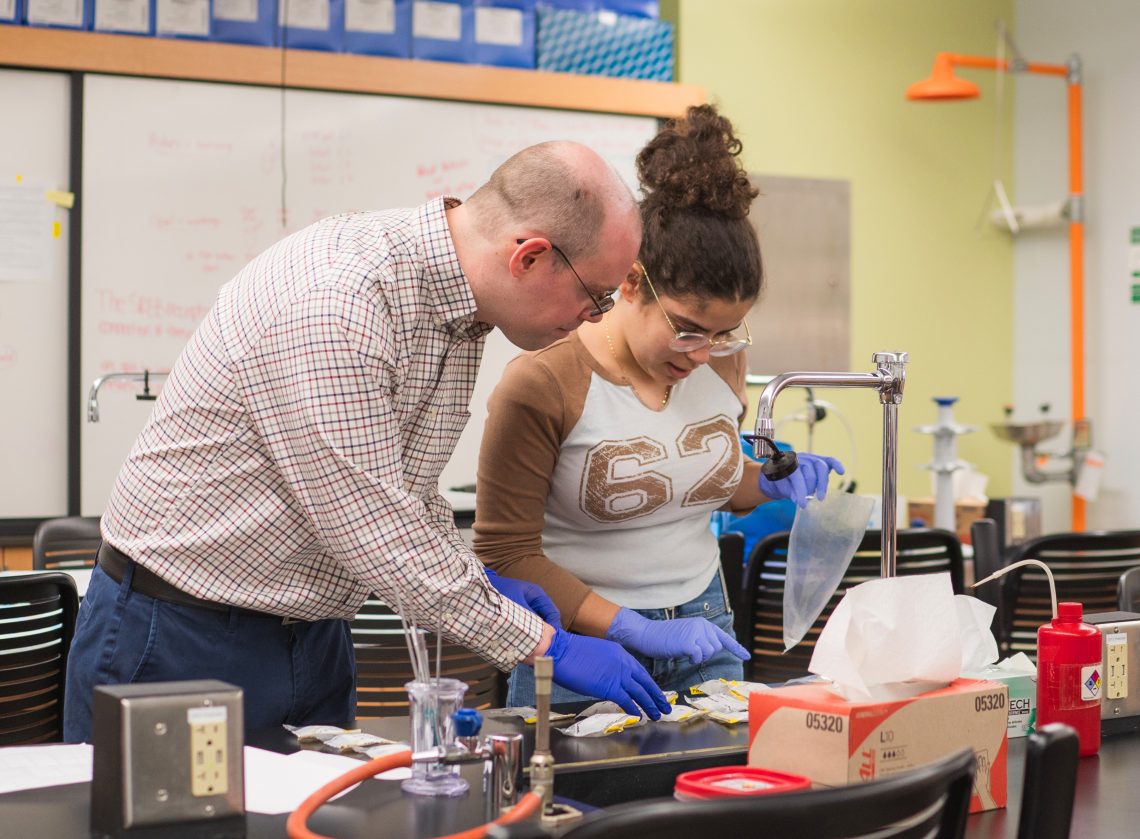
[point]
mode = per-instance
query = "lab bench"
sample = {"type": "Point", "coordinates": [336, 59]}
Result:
{"type": "Point", "coordinates": [633, 764]}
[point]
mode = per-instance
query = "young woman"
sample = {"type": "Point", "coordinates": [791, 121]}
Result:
{"type": "Point", "coordinates": [605, 454]}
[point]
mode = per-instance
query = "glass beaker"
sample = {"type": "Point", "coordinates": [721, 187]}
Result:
{"type": "Point", "coordinates": [430, 706]}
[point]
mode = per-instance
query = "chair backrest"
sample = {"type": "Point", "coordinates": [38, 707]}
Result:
{"type": "Point", "coordinates": [732, 565]}
{"type": "Point", "coordinates": [70, 542]}
{"type": "Point", "coordinates": [1051, 756]}
{"type": "Point", "coordinates": [931, 802]}
{"type": "Point", "coordinates": [383, 667]}
{"type": "Point", "coordinates": [37, 619]}
{"type": "Point", "coordinates": [919, 551]}
{"type": "Point", "coordinates": [1086, 568]}
{"type": "Point", "coordinates": [1128, 591]}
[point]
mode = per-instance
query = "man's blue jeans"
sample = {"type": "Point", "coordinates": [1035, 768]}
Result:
{"type": "Point", "coordinates": [296, 673]}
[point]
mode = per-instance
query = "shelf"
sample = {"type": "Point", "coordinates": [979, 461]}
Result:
{"type": "Point", "coordinates": [95, 52]}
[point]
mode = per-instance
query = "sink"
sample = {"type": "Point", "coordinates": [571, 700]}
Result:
{"type": "Point", "coordinates": [1027, 433]}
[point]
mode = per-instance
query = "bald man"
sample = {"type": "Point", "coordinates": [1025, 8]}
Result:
{"type": "Point", "coordinates": [290, 466]}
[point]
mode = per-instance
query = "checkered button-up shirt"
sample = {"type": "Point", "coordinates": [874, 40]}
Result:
{"type": "Point", "coordinates": [292, 460]}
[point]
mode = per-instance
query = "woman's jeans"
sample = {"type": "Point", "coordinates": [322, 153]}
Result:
{"type": "Point", "coordinates": [677, 674]}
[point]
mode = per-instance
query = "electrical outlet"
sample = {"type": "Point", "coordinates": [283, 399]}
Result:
{"type": "Point", "coordinates": [208, 774]}
{"type": "Point", "coordinates": [1116, 665]}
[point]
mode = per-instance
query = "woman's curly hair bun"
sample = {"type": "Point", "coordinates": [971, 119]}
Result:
{"type": "Point", "coordinates": [693, 162]}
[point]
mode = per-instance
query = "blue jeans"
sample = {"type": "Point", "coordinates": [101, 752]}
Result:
{"type": "Point", "coordinates": [677, 674]}
{"type": "Point", "coordinates": [297, 673]}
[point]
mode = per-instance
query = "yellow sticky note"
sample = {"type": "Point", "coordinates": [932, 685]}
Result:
{"type": "Point", "coordinates": [61, 198]}
{"type": "Point", "coordinates": [56, 229]}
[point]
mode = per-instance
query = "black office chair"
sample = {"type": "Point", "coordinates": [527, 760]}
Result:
{"type": "Point", "coordinates": [383, 667]}
{"type": "Point", "coordinates": [37, 620]}
{"type": "Point", "coordinates": [1051, 756]}
{"type": "Point", "coordinates": [931, 801]}
{"type": "Point", "coordinates": [70, 542]}
{"type": "Point", "coordinates": [1128, 591]}
{"type": "Point", "coordinates": [732, 564]}
{"type": "Point", "coordinates": [1086, 568]}
{"type": "Point", "coordinates": [919, 551]}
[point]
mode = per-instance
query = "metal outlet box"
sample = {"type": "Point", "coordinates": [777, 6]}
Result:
{"type": "Point", "coordinates": [165, 754]}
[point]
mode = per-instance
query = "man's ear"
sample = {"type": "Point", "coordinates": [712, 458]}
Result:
{"type": "Point", "coordinates": [528, 254]}
{"type": "Point", "coordinates": [632, 282]}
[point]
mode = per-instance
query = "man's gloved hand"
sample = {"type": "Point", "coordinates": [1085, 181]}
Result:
{"type": "Point", "coordinates": [528, 595]}
{"type": "Point", "coordinates": [809, 479]}
{"type": "Point", "coordinates": [601, 668]}
{"type": "Point", "coordinates": [696, 638]}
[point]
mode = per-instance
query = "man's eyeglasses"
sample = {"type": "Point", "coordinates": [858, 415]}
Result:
{"type": "Point", "coordinates": [693, 341]}
{"type": "Point", "coordinates": [601, 304]}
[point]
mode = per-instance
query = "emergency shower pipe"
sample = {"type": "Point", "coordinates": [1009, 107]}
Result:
{"type": "Point", "coordinates": [888, 379]}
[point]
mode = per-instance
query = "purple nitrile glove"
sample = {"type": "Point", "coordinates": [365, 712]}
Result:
{"type": "Point", "coordinates": [696, 638]}
{"type": "Point", "coordinates": [528, 595]}
{"type": "Point", "coordinates": [597, 667]}
{"type": "Point", "coordinates": [809, 479]}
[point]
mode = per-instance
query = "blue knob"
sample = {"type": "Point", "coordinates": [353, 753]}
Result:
{"type": "Point", "coordinates": [945, 400]}
{"type": "Point", "coordinates": [467, 721]}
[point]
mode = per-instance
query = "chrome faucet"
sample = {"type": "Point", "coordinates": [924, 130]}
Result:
{"type": "Point", "coordinates": [143, 376]}
{"type": "Point", "coordinates": [888, 379]}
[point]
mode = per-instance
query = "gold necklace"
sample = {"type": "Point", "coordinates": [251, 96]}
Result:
{"type": "Point", "coordinates": [613, 352]}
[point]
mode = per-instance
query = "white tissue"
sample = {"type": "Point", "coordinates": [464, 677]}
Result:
{"type": "Point", "coordinates": [895, 638]}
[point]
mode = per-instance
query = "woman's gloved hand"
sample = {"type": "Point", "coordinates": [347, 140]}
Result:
{"type": "Point", "coordinates": [810, 478]}
{"type": "Point", "coordinates": [528, 595]}
{"type": "Point", "coordinates": [696, 638]}
{"type": "Point", "coordinates": [597, 667]}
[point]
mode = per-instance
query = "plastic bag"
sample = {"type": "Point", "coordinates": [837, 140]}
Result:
{"type": "Point", "coordinates": [823, 541]}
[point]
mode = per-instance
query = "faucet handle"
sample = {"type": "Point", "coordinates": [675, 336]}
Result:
{"type": "Point", "coordinates": [883, 357]}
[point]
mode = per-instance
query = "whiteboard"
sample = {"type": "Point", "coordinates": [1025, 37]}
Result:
{"type": "Point", "coordinates": [183, 185]}
{"type": "Point", "coordinates": [34, 153]}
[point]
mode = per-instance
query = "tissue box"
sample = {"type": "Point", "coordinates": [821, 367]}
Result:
{"type": "Point", "coordinates": [1022, 702]}
{"type": "Point", "coordinates": [604, 43]}
{"type": "Point", "coordinates": [966, 512]}
{"type": "Point", "coordinates": [808, 730]}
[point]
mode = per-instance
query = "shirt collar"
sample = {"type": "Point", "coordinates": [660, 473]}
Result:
{"type": "Point", "coordinates": [449, 293]}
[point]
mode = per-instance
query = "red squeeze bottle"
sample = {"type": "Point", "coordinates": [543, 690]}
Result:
{"type": "Point", "coordinates": [1069, 672]}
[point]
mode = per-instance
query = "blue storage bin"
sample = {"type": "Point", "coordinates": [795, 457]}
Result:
{"type": "Point", "coordinates": [504, 33]}
{"type": "Point", "coordinates": [378, 27]}
{"type": "Point", "coordinates": [126, 17]}
{"type": "Point", "coordinates": [245, 22]}
{"type": "Point", "coordinates": [182, 18]}
{"type": "Point", "coordinates": [604, 43]}
{"type": "Point", "coordinates": [636, 8]}
{"type": "Point", "coordinates": [61, 14]}
{"type": "Point", "coordinates": [12, 11]}
{"type": "Point", "coordinates": [311, 24]}
{"type": "Point", "coordinates": [443, 31]}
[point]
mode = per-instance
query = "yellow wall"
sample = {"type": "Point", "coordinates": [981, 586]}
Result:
{"type": "Point", "coordinates": [815, 88]}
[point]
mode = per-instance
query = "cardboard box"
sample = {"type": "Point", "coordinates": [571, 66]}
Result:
{"type": "Point", "coordinates": [1022, 701]}
{"type": "Point", "coordinates": [966, 512]}
{"type": "Point", "coordinates": [808, 730]}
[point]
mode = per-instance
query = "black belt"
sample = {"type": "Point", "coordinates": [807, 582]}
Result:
{"type": "Point", "coordinates": [115, 563]}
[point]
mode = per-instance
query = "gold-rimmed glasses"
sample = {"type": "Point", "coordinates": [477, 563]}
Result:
{"type": "Point", "coordinates": [693, 341]}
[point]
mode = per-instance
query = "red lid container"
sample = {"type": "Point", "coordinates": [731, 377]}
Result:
{"type": "Point", "coordinates": [735, 782]}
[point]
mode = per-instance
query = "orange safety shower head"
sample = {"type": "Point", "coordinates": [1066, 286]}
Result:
{"type": "Point", "coordinates": [943, 84]}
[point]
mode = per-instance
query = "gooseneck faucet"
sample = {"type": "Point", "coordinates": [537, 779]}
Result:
{"type": "Point", "coordinates": [888, 379]}
{"type": "Point", "coordinates": [143, 376]}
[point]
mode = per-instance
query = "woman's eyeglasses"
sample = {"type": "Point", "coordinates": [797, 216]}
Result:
{"type": "Point", "coordinates": [693, 341]}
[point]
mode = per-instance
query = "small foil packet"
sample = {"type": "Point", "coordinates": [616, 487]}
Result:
{"type": "Point", "coordinates": [318, 733]}
{"type": "Point", "coordinates": [599, 725]}
{"type": "Point", "coordinates": [356, 741]}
